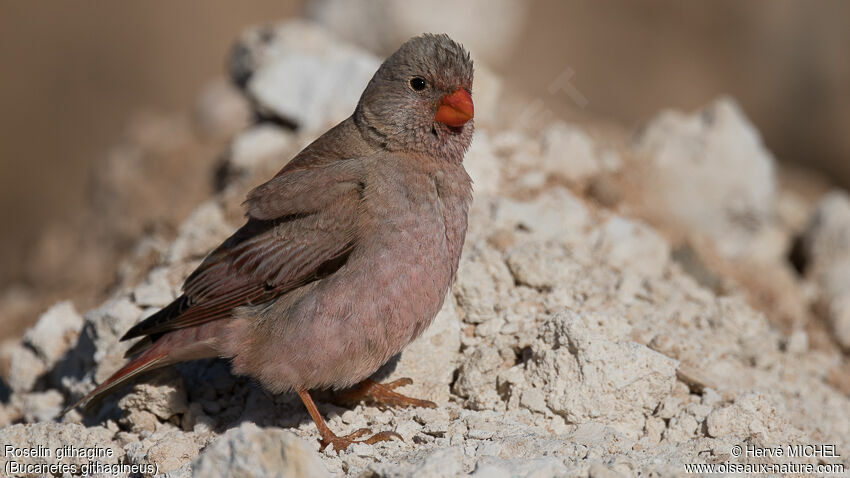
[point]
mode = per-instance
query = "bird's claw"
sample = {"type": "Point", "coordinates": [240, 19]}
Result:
{"type": "Point", "coordinates": [401, 382]}
{"type": "Point", "coordinates": [384, 394]}
{"type": "Point", "coordinates": [341, 443]}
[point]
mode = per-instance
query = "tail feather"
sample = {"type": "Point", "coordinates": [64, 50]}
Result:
{"type": "Point", "coordinates": [149, 360]}
{"type": "Point", "coordinates": [153, 352]}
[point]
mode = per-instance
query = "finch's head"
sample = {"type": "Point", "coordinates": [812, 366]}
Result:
{"type": "Point", "coordinates": [420, 98]}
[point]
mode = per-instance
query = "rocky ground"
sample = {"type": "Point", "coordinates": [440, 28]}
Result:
{"type": "Point", "coordinates": [624, 305]}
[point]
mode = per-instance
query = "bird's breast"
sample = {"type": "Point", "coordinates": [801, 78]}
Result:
{"type": "Point", "coordinates": [412, 245]}
{"type": "Point", "coordinates": [419, 216]}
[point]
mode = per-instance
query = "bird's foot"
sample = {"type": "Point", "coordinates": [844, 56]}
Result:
{"type": "Point", "coordinates": [382, 395]}
{"type": "Point", "coordinates": [341, 443]}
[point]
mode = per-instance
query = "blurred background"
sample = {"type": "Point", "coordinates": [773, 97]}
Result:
{"type": "Point", "coordinates": [79, 77]}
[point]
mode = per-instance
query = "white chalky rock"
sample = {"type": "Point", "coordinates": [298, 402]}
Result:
{"type": "Point", "coordinates": [709, 173]}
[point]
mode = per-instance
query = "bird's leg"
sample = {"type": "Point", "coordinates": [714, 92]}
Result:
{"type": "Point", "coordinates": [382, 394]}
{"type": "Point", "coordinates": [327, 437]}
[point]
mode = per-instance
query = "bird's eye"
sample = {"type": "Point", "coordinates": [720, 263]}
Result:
{"type": "Point", "coordinates": [417, 83]}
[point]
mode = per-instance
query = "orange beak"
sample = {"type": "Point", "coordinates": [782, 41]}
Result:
{"type": "Point", "coordinates": [455, 109]}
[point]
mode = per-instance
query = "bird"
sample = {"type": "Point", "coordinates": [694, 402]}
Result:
{"type": "Point", "coordinates": [347, 253]}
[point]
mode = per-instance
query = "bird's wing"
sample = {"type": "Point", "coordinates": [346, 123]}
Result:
{"type": "Point", "coordinates": [301, 226]}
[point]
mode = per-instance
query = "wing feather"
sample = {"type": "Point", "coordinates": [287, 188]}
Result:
{"type": "Point", "coordinates": [298, 222]}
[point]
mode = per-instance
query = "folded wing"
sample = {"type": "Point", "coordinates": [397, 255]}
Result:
{"type": "Point", "coordinates": [301, 226]}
